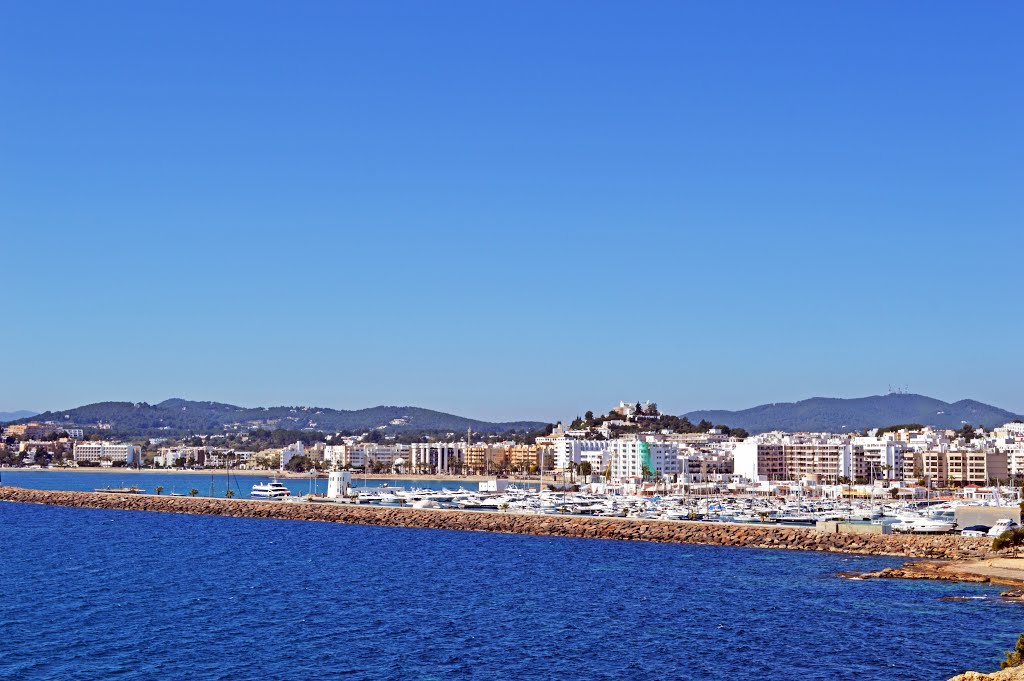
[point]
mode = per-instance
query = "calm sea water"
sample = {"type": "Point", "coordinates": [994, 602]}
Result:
{"type": "Point", "coordinates": [184, 482]}
{"type": "Point", "coordinates": [94, 594]}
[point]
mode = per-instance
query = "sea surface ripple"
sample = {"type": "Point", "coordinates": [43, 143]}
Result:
{"type": "Point", "coordinates": [96, 594]}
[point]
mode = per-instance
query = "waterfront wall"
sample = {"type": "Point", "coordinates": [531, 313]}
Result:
{"type": "Point", "coordinates": [715, 534]}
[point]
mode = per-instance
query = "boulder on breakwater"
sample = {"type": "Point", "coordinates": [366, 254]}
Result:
{"type": "Point", "coordinates": [683, 532]}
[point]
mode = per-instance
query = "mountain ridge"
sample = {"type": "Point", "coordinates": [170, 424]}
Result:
{"type": "Point", "coordinates": [841, 415]}
{"type": "Point", "coordinates": [6, 416]}
{"type": "Point", "coordinates": [177, 416]}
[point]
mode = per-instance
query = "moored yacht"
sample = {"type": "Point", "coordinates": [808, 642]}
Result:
{"type": "Point", "coordinates": [924, 525]}
{"type": "Point", "coordinates": [1002, 525]}
{"type": "Point", "coordinates": [270, 490]}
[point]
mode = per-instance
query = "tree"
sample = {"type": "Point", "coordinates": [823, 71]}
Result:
{"type": "Point", "coordinates": [589, 417]}
{"type": "Point", "coordinates": [192, 492]}
{"type": "Point", "coordinates": [1015, 657]}
{"type": "Point", "coordinates": [159, 490]}
{"type": "Point", "coordinates": [299, 464]}
{"type": "Point", "coordinates": [1011, 539]}
{"type": "Point", "coordinates": [230, 493]}
{"type": "Point", "coordinates": [586, 469]}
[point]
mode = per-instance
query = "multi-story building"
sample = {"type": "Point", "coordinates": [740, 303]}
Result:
{"type": "Point", "coordinates": [220, 457]}
{"type": "Point", "coordinates": [641, 458]}
{"type": "Point", "coordinates": [297, 448]}
{"type": "Point", "coordinates": [567, 450]}
{"type": "Point", "coordinates": [437, 457]}
{"type": "Point", "coordinates": [107, 453]}
{"type": "Point", "coordinates": [362, 454]}
{"type": "Point", "coordinates": [957, 467]}
{"type": "Point", "coordinates": [38, 431]}
{"type": "Point", "coordinates": [170, 457]}
{"type": "Point", "coordinates": [487, 458]}
{"type": "Point", "coordinates": [797, 458]}
{"type": "Point", "coordinates": [882, 457]}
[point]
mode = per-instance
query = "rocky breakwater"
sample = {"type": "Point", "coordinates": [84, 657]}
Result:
{"type": "Point", "coordinates": [715, 534]}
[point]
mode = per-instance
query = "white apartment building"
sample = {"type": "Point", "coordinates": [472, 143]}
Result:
{"type": "Point", "coordinates": [883, 457]}
{"type": "Point", "coordinates": [291, 451]}
{"type": "Point", "coordinates": [629, 458]}
{"type": "Point", "coordinates": [107, 453]}
{"type": "Point", "coordinates": [360, 454]}
{"type": "Point", "coordinates": [566, 450]}
{"type": "Point", "coordinates": [219, 457]}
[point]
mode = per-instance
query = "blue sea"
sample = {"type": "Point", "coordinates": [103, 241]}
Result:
{"type": "Point", "coordinates": [95, 594]}
{"type": "Point", "coordinates": [216, 483]}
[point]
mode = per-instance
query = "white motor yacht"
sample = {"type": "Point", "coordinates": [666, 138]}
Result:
{"type": "Point", "coordinates": [1002, 525]}
{"type": "Point", "coordinates": [270, 490]}
{"type": "Point", "coordinates": [924, 525]}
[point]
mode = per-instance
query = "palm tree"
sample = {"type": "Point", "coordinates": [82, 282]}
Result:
{"type": "Point", "coordinates": [159, 490]}
{"type": "Point", "coordinates": [192, 492]}
{"type": "Point", "coordinates": [230, 493]}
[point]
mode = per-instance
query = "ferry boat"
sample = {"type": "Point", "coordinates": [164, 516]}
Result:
{"type": "Point", "coordinates": [270, 490]}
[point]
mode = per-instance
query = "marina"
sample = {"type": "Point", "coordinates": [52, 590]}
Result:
{"type": "Point", "coordinates": [927, 516]}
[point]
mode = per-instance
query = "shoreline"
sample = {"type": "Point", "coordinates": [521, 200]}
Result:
{"type": "Point", "coordinates": [947, 547]}
{"type": "Point", "coordinates": [999, 570]}
{"type": "Point", "coordinates": [454, 479]}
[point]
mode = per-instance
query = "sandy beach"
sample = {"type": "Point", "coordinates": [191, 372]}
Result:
{"type": "Point", "coordinates": [454, 479]}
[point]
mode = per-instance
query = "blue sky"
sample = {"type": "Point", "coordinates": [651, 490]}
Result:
{"type": "Point", "coordinates": [510, 210]}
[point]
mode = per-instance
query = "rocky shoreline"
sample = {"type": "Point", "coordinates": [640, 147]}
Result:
{"type": "Point", "coordinates": [1001, 571]}
{"type": "Point", "coordinates": [946, 547]}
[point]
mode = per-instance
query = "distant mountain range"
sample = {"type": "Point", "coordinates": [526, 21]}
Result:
{"type": "Point", "coordinates": [15, 415]}
{"type": "Point", "coordinates": [836, 415]}
{"type": "Point", "coordinates": [176, 417]}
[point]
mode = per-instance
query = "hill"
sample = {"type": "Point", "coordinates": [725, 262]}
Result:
{"type": "Point", "coordinates": [15, 415]}
{"type": "Point", "coordinates": [837, 415]}
{"type": "Point", "coordinates": [176, 417]}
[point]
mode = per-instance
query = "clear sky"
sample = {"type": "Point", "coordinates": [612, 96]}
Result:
{"type": "Point", "coordinates": [510, 209]}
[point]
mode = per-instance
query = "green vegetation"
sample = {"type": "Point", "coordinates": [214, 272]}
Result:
{"type": "Point", "coordinates": [836, 415]}
{"type": "Point", "coordinates": [1011, 539]}
{"type": "Point", "coordinates": [647, 422]}
{"type": "Point", "coordinates": [1015, 657]}
{"type": "Point", "coordinates": [896, 428]}
{"type": "Point", "coordinates": [178, 418]}
{"type": "Point", "coordinates": [300, 464]}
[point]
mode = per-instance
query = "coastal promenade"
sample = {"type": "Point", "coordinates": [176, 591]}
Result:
{"type": "Point", "coordinates": [948, 547]}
